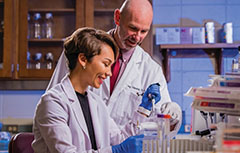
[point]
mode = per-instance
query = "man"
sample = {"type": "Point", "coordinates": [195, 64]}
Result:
{"type": "Point", "coordinates": [137, 69]}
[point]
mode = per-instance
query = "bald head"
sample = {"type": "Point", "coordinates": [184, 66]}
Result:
{"type": "Point", "coordinates": [141, 7]}
{"type": "Point", "coordinates": [133, 21]}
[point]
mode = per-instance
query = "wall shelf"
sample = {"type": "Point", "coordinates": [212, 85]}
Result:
{"type": "Point", "coordinates": [53, 10]}
{"type": "Point", "coordinates": [191, 50]}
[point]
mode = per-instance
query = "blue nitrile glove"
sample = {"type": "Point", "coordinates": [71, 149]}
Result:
{"type": "Point", "coordinates": [152, 93]}
{"type": "Point", "coordinates": [132, 144]}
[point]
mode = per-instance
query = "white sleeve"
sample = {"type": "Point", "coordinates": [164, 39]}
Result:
{"type": "Point", "coordinates": [60, 71]}
{"type": "Point", "coordinates": [118, 135]}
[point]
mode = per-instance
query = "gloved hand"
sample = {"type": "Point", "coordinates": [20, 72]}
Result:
{"type": "Point", "coordinates": [132, 144]}
{"type": "Point", "coordinates": [173, 109]}
{"type": "Point", "coordinates": [152, 94]}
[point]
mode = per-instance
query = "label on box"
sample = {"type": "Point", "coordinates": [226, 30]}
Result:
{"type": "Point", "coordinates": [186, 35]}
{"type": "Point", "coordinates": [198, 35]}
{"type": "Point", "coordinates": [168, 35]}
{"type": "Point", "coordinates": [161, 36]}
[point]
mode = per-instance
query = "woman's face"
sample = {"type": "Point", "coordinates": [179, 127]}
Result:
{"type": "Point", "coordinates": [100, 66]}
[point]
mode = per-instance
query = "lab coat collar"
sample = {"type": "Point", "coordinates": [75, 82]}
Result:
{"type": "Point", "coordinates": [70, 93]}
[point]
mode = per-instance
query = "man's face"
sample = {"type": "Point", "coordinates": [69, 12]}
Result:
{"type": "Point", "coordinates": [132, 30]}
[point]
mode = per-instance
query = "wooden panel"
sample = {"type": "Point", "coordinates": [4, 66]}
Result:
{"type": "Point", "coordinates": [107, 4]}
{"type": "Point", "coordinates": [51, 4]}
{"type": "Point", "coordinates": [7, 46]}
{"type": "Point", "coordinates": [104, 20]}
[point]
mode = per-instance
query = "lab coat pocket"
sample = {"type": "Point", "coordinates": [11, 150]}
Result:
{"type": "Point", "coordinates": [132, 100]}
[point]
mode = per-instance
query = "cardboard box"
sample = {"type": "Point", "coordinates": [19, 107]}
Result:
{"type": "Point", "coordinates": [198, 35]}
{"type": "Point", "coordinates": [186, 35]}
{"type": "Point", "coordinates": [168, 35]}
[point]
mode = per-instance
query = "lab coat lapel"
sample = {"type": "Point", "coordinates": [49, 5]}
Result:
{"type": "Point", "coordinates": [95, 120]}
{"type": "Point", "coordinates": [131, 72]}
{"type": "Point", "coordinates": [70, 93]}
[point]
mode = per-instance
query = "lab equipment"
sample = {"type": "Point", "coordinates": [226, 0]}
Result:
{"type": "Point", "coordinates": [49, 60]}
{"type": "Point", "coordinates": [130, 145]}
{"type": "Point", "coordinates": [37, 24]}
{"type": "Point", "coordinates": [234, 65]}
{"type": "Point", "coordinates": [156, 134]}
{"type": "Point", "coordinates": [228, 32]}
{"type": "Point", "coordinates": [29, 63]}
{"type": "Point", "coordinates": [37, 59]}
{"type": "Point", "coordinates": [210, 32]}
{"type": "Point", "coordinates": [4, 140]}
{"type": "Point", "coordinates": [228, 138]}
{"type": "Point", "coordinates": [151, 96]}
{"type": "Point", "coordinates": [48, 26]}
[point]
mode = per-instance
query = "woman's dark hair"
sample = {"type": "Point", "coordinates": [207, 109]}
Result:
{"type": "Point", "coordinates": [89, 42]}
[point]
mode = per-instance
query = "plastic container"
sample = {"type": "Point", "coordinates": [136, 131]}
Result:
{"type": "Point", "coordinates": [155, 133]}
{"type": "Point", "coordinates": [210, 32]}
{"type": "Point", "coordinates": [37, 59]}
{"type": "Point", "coordinates": [5, 138]}
{"type": "Point", "coordinates": [48, 26]}
{"type": "Point", "coordinates": [49, 60]}
{"type": "Point", "coordinates": [228, 32]}
{"type": "Point", "coordinates": [37, 26]}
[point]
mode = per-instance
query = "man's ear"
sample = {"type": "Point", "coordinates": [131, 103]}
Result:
{"type": "Point", "coordinates": [117, 14]}
{"type": "Point", "coordinates": [82, 59]}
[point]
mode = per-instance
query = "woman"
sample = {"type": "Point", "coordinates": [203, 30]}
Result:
{"type": "Point", "coordinates": [69, 118]}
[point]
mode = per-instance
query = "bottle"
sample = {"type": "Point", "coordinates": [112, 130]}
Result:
{"type": "Point", "coordinates": [49, 60]}
{"type": "Point", "coordinates": [228, 32]}
{"type": "Point", "coordinates": [37, 59]}
{"type": "Point", "coordinates": [48, 25]}
{"type": "Point", "coordinates": [210, 32]}
{"type": "Point", "coordinates": [37, 26]}
{"type": "Point", "coordinates": [236, 62]}
{"type": "Point", "coordinates": [30, 27]}
{"type": "Point", "coordinates": [29, 65]}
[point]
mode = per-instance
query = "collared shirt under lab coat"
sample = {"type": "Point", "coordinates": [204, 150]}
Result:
{"type": "Point", "coordinates": [141, 71]}
{"type": "Point", "coordinates": [59, 124]}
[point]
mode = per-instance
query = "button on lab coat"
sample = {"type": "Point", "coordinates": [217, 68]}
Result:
{"type": "Point", "coordinates": [59, 123]}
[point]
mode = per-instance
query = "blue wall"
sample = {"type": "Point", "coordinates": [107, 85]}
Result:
{"type": "Point", "coordinates": [189, 72]}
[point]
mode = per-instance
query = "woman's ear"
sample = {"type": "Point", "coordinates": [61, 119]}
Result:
{"type": "Point", "coordinates": [117, 17]}
{"type": "Point", "coordinates": [82, 60]}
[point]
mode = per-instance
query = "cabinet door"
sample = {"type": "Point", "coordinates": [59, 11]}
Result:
{"type": "Point", "coordinates": [68, 15]}
{"type": "Point", "coordinates": [5, 38]}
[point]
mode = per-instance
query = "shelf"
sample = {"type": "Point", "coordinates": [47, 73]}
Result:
{"type": "Point", "coordinates": [46, 40]}
{"type": "Point", "coordinates": [199, 46]}
{"type": "Point", "coordinates": [212, 50]}
{"type": "Point", "coordinates": [54, 10]}
{"type": "Point", "coordinates": [104, 10]}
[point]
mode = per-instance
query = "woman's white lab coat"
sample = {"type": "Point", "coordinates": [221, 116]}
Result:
{"type": "Point", "coordinates": [59, 124]}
